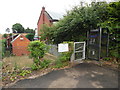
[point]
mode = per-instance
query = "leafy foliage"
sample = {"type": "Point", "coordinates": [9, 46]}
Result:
{"type": "Point", "coordinates": [28, 30]}
{"type": "Point", "coordinates": [18, 28]}
{"type": "Point", "coordinates": [3, 47]}
{"type": "Point", "coordinates": [45, 63]}
{"type": "Point", "coordinates": [37, 51]}
{"type": "Point", "coordinates": [80, 19]}
{"type": "Point", "coordinates": [65, 57]}
{"type": "Point", "coordinates": [24, 72]}
{"type": "Point", "coordinates": [5, 35]}
{"type": "Point", "coordinates": [113, 24]}
{"type": "Point", "coordinates": [35, 67]}
{"type": "Point", "coordinates": [46, 33]}
{"type": "Point", "coordinates": [30, 36]}
{"type": "Point", "coordinates": [74, 25]}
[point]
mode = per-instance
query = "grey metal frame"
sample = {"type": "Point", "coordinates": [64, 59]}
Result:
{"type": "Point", "coordinates": [100, 45]}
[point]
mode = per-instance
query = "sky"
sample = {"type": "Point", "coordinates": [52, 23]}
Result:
{"type": "Point", "coordinates": [27, 12]}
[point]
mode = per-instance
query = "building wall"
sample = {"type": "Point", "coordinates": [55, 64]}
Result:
{"type": "Point", "coordinates": [19, 47]}
{"type": "Point", "coordinates": [9, 41]}
{"type": "Point", "coordinates": [43, 20]}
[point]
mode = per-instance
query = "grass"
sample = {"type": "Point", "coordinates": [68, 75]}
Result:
{"type": "Point", "coordinates": [19, 61]}
{"type": "Point", "coordinates": [1, 36]}
{"type": "Point", "coordinates": [0, 50]}
{"type": "Point", "coordinates": [23, 61]}
{"type": "Point", "coordinates": [49, 57]}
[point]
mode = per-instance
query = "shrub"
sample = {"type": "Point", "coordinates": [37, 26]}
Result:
{"type": "Point", "coordinates": [37, 50]}
{"type": "Point", "coordinates": [3, 44]}
{"type": "Point", "coordinates": [115, 53]}
{"type": "Point", "coordinates": [107, 58]}
{"type": "Point", "coordinates": [24, 72]}
{"type": "Point", "coordinates": [5, 35]}
{"type": "Point", "coordinates": [35, 67]}
{"type": "Point", "coordinates": [59, 64]}
{"type": "Point", "coordinates": [30, 36]}
{"type": "Point", "coordinates": [45, 63]}
{"type": "Point", "coordinates": [64, 57]}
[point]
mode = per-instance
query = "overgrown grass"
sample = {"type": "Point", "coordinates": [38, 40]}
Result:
{"type": "Point", "coordinates": [50, 57]}
{"type": "Point", "coordinates": [19, 61]}
{"type": "Point", "coordinates": [23, 61]}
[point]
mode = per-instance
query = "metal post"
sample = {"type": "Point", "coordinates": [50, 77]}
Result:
{"type": "Point", "coordinates": [87, 45]}
{"type": "Point", "coordinates": [108, 45]}
{"type": "Point", "coordinates": [100, 30]}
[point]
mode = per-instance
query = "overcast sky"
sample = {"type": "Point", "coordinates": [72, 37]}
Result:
{"type": "Point", "coordinates": [27, 12]}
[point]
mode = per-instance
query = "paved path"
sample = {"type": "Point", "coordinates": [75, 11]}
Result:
{"type": "Point", "coordinates": [83, 75]}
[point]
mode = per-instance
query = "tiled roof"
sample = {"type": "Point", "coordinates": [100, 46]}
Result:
{"type": "Point", "coordinates": [15, 38]}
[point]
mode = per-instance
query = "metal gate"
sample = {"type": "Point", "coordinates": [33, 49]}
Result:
{"type": "Point", "coordinates": [79, 51]}
{"type": "Point", "coordinates": [97, 43]}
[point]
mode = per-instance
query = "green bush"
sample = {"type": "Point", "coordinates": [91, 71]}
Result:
{"type": "Point", "coordinates": [24, 72]}
{"type": "Point", "coordinates": [58, 63]}
{"type": "Point", "coordinates": [3, 47]}
{"type": "Point", "coordinates": [35, 67]}
{"type": "Point", "coordinates": [37, 49]}
{"type": "Point", "coordinates": [64, 58]}
{"type": "Point", "coordinates": [115, 53]}
{"type": "Point", "coordinates": [30, 36]}
{"type": "Point", "coordinates": [45, 63]}
{"type": "Point", "coordinates": [107, 58]}
{"type": "Point", "coordinates": [5, 35]}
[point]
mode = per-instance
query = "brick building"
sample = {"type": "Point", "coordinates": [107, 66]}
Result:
{"type": "Point", "coordinates": [9, 39]}
{"type": "Point", "coordinates": [19, 45]}
{"type": "Point", "coordinates": [48, 18]}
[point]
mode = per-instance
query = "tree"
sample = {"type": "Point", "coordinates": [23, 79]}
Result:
{"type": "Point", "coordinates": [8, 30]}
{"type": "Point", "coordinates": [46, 33]}
{"type": "Point", "coordinates": [30, 36]}
{"type": "Point", "coordinates": [28, 30]}
{"type": "Point", "coordinates": [80, 19]}
{"type": "Point", "coordinates": [113, 25]}
{"type": "Point", "coordinates": [5, 35]}
{"type": "Point", "coordinates": [18, 28]}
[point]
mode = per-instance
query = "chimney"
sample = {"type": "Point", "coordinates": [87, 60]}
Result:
{"type": "Point", "coordinates": [43, 8]}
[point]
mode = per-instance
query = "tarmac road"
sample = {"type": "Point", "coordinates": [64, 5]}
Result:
{"type": "Point", "coordinates": [83, 75]}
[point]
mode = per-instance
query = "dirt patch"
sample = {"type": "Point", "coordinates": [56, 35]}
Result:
{"type": "Point", "coordinates": [102, 63]}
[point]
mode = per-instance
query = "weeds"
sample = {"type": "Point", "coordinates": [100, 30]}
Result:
{"type": "Point", "coordinates": [43, 64]}
{"type": "Point", "coordinates": [24, 72]}
{"type": "Point", "coordinates": [107, 58]}
{"type": "Point", "coordinates": [35, 67]}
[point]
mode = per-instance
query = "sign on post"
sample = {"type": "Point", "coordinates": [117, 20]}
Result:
{"type": "Point", "coordinates": [63, 47]}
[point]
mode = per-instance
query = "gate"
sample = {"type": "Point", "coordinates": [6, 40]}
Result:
{"type": "Point", "coordinates": [79, 51]}
{"type": "Point", "coordinates": [97, 43]}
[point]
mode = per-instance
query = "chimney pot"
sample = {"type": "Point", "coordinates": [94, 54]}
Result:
{"type": "Point", "coordinates": [43, 8]}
